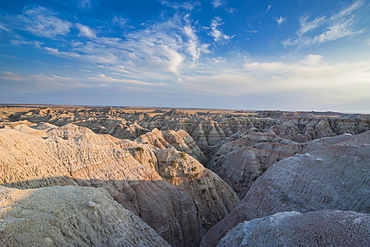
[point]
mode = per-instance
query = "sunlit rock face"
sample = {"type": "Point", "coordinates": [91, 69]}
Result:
{"type": "Point", "coordinates": [73, 155]}
{"type": "Point", "coordinates": [180, 207]}
{"type": "Point", "coordinates": [335, 177]}
{"type": "Point", "coordinates": [180, 140]}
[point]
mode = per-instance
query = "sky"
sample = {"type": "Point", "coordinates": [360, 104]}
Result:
{"type": "Point", "coordinates": [227, 54]}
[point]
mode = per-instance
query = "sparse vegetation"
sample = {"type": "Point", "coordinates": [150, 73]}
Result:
{"type": "Point", "coordinates": [139, 149]}
{"type": "Point", "coordinates": [183, 154]}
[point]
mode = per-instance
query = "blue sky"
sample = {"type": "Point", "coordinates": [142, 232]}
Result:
{"type": "Point", "coordinates": [230, 54]}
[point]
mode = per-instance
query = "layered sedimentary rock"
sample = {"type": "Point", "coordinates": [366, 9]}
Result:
{"type": "Point", "coordinates": [69, 216]}
{"type": "Point", "coordinates": [319, 228]}
{"type": "Point", "coordinates": [39, 155]}
{"type": "Point", "coordinates": [213, 197]}
{"type": "Point", "coordinates": [176, 113]}
{"type": "Point", "coordinates": [73, 155]}
{"type": "Point", "coordinates": [207, 129]}
{"type": "Point", "coordinates": [180, 140]}
{"type": "Point", "coordinates": [335, 177]}
{"type": "Point", "coordinates": [152, 165]}
{"type": "Point", "coordinates": [241, 161]}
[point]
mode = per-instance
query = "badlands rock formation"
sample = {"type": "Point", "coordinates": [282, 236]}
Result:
{"type": "Point", "coordinates": [213, 197]}
{"type": "Point", "coordinates": [335, 177]}
{"type": "Point", "coordinates": [160, 164]}
{"type": "Point", "coordinates": [319, 228]}
{"type": "Point", "coordinates": [242, 159]}
{"type": "Point", "coordinates": [69, 216]}
{"type": "Point", "coordinates": [180, 140]}
{"type": "Point", "coordinates": [42, 155]}
{"type": "Point", "coordinates": [206, 129]}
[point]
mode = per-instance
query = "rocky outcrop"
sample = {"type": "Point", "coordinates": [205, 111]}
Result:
{"type": "Point", "coordinates": [207, 129]}
{"type": "Point", "coordinates": [213, 197]}
{"type": "Point", "coordinates": [180, 140]}
{"type": "Point", "coordinates": [336, 177]}
{"type": "Point", "coordinates": [320, 228]}
{"type": "Point", "coordinates": [152, 164]}
{"type": "Point", "coordinates": [69, 216]}
{"type": "Point", "coordinates": [179, 208]}
{"type": "Point", "coordinates": [240, 162]}
{"type": "Point", "coordinates": [176, 113]}
{"type": "Point", "coordinates": [73, 155]}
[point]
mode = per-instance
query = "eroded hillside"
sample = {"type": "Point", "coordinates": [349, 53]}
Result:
{"type": "Point", "coordinates": [183, 173]}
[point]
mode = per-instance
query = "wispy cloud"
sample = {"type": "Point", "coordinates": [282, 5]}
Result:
{"type": "Point", "coordinates": [58, 53]}
{"type": "Point", "coordinates": [120, 21]}
{"type": "Point", "coordinates": [2, 27]}
{"type": "Point", "coordinates": [215, 32]}
{"type": "Point", "coordinates": [223, 3]}
{"type": "Point", "coordinates": [9, 76]}
{"type": "Point", "coordinates": [187, 5]}
{"type": "Point", "coordinates": [43, 22]}
{"type": "Point", "coordinates": [218, 3]}
{"type": "Point", "coordinates": [337, 26]}
{"type": "Point", "coordinates": [85, 31]}
{"type": "Point", "coordinates": [307, 26]}
{"type": "Point", "coordinates": [349, 10]}
{"type": "Point", "coordinates": [217, 60]}
{"type": "Point", "coordinates": [166, 45]}
{"type": "Point", "coordinates": [84, 4]}
{"type": "Point", "coordinates": [280, 20]}
{"type": "Point", "coordinates": [194, 47]}
{"type": "Point", "coordinates": [336, 31]}
{"type": "Point", "coordinates": [108, 79]}
{"type": "Point", "coordinates": [307, 82]}
{"type": "Point", "coordinates": [312, 59]}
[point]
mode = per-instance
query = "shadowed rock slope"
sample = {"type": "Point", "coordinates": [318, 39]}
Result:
{"type": "Point", "coordinates": [335, 177]}
{"type": "Point", "coordinates": [69, 216]}
{"type": "Point", "coordinates": [239, 161]}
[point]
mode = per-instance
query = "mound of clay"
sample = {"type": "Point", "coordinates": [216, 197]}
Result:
{"type": "Point", "coordinates": [335, 177]}
{"type": "Point", "coordinates": [320, 228]}
{"type": "Point", "coordinates": [69, 216]}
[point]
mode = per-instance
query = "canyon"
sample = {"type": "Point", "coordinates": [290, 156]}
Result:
{"type": "Point", "coordinates": [121, 176]}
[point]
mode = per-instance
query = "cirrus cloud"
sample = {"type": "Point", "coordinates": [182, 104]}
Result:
{"type": "Point", "coordinates": [339, 25]}
{"type": "Point", "coordinates": [43, 22]}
